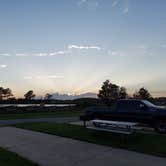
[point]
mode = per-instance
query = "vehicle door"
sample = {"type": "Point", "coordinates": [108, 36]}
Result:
{"type": "Point", "coordinates": [140, 112]}
{"type": "Point", "coordinates": [124, 111]}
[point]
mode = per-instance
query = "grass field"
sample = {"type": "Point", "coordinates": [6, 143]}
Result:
{"type": "Point", "coordinates": [146, 143]}
{"type": "Point", "coordinates": [41, 115]}
{"type": "Point", "coordinates": [11, 159]}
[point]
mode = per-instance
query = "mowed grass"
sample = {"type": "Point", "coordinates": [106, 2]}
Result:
{"type": "Point", "coordinates": [145, 143]}
{"type": "Point", "coordinates": [40, 115]}
{"type": "Point", "coordinates": [12, 159]}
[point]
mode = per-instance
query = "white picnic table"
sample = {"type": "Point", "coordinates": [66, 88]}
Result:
{"type": "Point", "coordinates": [112, 126]}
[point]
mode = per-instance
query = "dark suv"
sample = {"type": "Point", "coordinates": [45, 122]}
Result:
{"type": "Point", "coordinates": [130, 110]}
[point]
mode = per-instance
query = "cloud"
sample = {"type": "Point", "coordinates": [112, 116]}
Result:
{"type": "Point", "coordinates": [83, 47]}
{"type": "Point", "coordinates": [163, 45]}
{"type": "Point", "coordinates": [114, 3]}
{"type": "Point", "coordinates": [57, 53]}
{"type": "Point", "coordinates": [124, 3]}
{"type": "Point", "coordinates": [21, 54]}
{"type": "Point", "coordinates": [126, 8]}
{"type": "Point", "coordinates": [40, 54]}
{"type": "Point", "coordinates": [36, 54]}
{"type": "Point", "coordinates": [5, 55]}
{"type": "Point", "coordinates": [116, 53]}
{"type": "Point", "coordinates": [43, 77]}
{"type": "Point", "coordinates": [83, 1]}
{"type": "Point", "coordinates": [3, 66]}
{"type": "Point", "coordinates": [28, 77]}
{"type": "Point", "coordinates": [89, 4]}
{"type": "Point", "coordinates": [48, 77]}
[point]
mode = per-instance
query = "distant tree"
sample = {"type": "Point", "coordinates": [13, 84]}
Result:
{"type": "Point", "coordinates": [5, 93]}
{"type": "Point", "coordinates": [105, 93]}
{"type": "Point", "coordinates": [110, 92]}
{"type": "Point", "coordinates": [12, 99]}
{"type": "Point", "coordinates": [29, 95]}
{"type": "Point", "coordinates": [142, 94]}
{"type": "Point", "coordinates": [48, 96]}
{"type": "Point", "coordinates": [123, 93]}
{"type": "Point", "coordinates": [1, 93]}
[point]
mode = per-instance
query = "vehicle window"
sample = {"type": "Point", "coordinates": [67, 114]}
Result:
{"type": "Point", "coordinates": [128, 106]}
{"type": "Point", "coordinates": [149, 104]}
{"type": "Point", "coordinates": [136, 106]}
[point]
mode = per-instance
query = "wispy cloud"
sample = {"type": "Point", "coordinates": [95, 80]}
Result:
{"type": "Point", "coordinates": [163, 45]}
{"type": "Point", "coordinates": [83, 47]}
{"type": "Point", "coordinates": [40, 54]}
{"type": "Point", "coordinates": [3, 66]}
{"type": "Point", "coordinates": [43, 54]}
{"type": "Point", "coordinates": [114, 3]}
{"type": "Point", "coordinates": [116, 53]}
{"type": "Point", "coordinates": [21, 54]}
{"type": "Point", "coordinates": [28, 77]}
{"type": "Point", "coordinates": [5, 54]}
{"type": "Point", "coordinates": [82, 1]}
{"type": "Point", "coordinates": [49, 77]}
{"type": "Point", "coordinates": [90, 4]}
{"type": "Point", "coordinates": [123, 3]}
{"type": "Point", "coordinates": [55, 53]}
{"type": "Point", "coordinates": [43, 77]}
{"type": "Point", "coordinates": [126, 8]}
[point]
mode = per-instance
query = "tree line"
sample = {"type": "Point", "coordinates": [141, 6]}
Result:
{"type": "Point", "coordinates": [108, 92]}
{"type": "Point", "coordinates": [111, 92]}
{"type": "Point", "coordinates": [6, 93]}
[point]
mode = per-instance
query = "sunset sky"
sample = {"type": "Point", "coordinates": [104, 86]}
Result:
{"type": "Point", "coordinates": [72, 46]}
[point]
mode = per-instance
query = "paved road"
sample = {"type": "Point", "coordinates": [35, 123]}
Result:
{"type": "Point", "coordinates": [58, 120]}
{"type": "Point", "coordinates": [50, 150]}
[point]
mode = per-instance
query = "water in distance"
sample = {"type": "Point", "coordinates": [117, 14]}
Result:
{"type": "Point", "coordinates": [36, 105]}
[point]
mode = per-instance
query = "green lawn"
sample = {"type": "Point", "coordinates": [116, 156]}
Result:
{"type": "Point", "coordinates": [146, 143]}
{"type": "Point", "coordinates": [40, 115]}
{"type": "Point", "coordinates": [12, 159]}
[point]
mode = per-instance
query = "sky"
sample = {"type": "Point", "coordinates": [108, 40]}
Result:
{"type": "Point", "coordinates": [72, 46]}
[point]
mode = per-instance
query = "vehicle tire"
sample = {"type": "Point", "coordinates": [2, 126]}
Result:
{"type": "Point", "coordinates": [161, 127]}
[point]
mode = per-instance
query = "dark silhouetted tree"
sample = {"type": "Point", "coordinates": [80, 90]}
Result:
{"type": "Point", "coordinates": [1, 93]}
{"type": "Point", "coordinates": [110, 92]}
{"type": "Point", "coordinates": [29, 95]}
{"type": "Point", "coordinates": [142, 94]}
{"type": "Point", "coordinates": [123, 93]}
{"type": "Point", "coordinates": [5, 93]}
